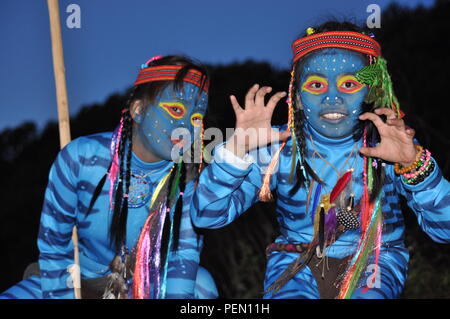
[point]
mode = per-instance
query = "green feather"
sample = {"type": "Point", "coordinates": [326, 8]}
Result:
{"type": "Point", "coordinates": [381, 92]}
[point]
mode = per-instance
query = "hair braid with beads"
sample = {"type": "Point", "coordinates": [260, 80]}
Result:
{"type": "Point", "coordinates": [299, 124]}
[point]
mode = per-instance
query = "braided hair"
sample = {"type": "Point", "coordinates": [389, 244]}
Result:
{"type": "Point", "coordinates": [147, 93]}
{"type": "Point", "coordinates": [299, 118]}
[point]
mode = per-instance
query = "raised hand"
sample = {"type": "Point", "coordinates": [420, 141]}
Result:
{"type": "Point", "coordinates": [253, 124]}
{"type": "Point", "coordinates": [396, 143]}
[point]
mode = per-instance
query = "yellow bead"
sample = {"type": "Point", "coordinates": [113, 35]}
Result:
{"type": "Point", "coordinates": [310, 31]}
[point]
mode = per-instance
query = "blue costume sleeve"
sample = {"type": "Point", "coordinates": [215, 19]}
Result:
{"type": "Point", "coordinates": [228, 187]}
{"type": "Point", "coordinates": [430, 201]}
{"type": "Point", "coordinates": [183, 263]}
{"type": "Point", "coordinates": [57, 221]}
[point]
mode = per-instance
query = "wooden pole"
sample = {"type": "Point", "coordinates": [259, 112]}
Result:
{"type": "Point", "coordinates": [63, 116]}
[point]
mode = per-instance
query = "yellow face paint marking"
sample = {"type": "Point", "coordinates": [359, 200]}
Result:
{"type": "Point", "coordinates": [196, 119]}
{"type": "Point", "coordinates": [349, 84]}
{"type": "Point", "coordinates": [175, 109]}
{"type": "Point", "coordinates": [315, 84]}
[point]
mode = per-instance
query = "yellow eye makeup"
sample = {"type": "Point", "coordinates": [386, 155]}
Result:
{"type": "Point", "coordinates": [196, 119]}
{"type": "Point", "coordinates": [349, 84]}
{"type": "Point", "coordinates": [315, 84]}
{"type": "Point", "coordinates": [175, 109]}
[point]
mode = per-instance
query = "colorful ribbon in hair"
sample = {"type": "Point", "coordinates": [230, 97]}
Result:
{"type": "Point", "coordinates": [169, 73]}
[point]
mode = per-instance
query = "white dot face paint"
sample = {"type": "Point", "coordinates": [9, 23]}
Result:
{"type": "Point", "coordinates": [172, 110]}
{"type": "Point", "coordinates": [332, 112]}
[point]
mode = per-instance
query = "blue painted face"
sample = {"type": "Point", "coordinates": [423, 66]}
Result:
{"type": "Point", "coordinates": [169, 125]}
{"type": "Point", "coordinates": [332, 97]}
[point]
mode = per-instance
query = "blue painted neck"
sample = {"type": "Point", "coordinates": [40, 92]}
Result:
{"type": "Point", "coordinates": [147, 166]}
{"type": "Point", "coordinates": [321, 139]}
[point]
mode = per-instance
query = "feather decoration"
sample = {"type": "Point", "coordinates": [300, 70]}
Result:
{"type": "Point", "coordinates": [340, 185]}
{"type": "Point", "coordinates": [321, 229]}
{"type": "Point", "coordinates": [330, 223]}
{"type": "Point", "coordinates": [381, 92]}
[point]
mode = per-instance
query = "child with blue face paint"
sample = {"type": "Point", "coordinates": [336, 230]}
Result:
{"type": "Point", "coordinates": [338, 169]}
{"type": "Point", "coordinates": [129, 192]}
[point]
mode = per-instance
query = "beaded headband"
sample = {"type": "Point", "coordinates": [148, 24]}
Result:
{"type": "Point", "coordinates": [336, 39]}
{"type": "Point", "coordinates": [169, 73]}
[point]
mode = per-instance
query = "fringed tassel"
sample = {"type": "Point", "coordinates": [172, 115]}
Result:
{"type": "Point", "coordinates": [265, 195]}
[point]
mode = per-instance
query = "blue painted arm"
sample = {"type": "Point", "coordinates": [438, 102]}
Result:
{"type": "Point", "coordinates": [430, 201]}
{"type": "Point", "coordinates": [228, 187]}
{"type": "Point", "coordinates": [57, 221]}
{"type": "Point", "coordinates": [183, 264]}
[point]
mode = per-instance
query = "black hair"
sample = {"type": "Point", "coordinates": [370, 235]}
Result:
{"type": "Point", "coordinates": [147, 93]}
{"type": "Point", "coordinates": [358, 130]}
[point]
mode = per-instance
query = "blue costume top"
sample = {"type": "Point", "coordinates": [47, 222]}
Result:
{"type": "Point", "coordinates": [230, 185]}
{"type": "Point", "coordinates": [72, 180]}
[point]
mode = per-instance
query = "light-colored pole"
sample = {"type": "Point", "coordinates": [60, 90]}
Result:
{"type": "Point", "coordinates": [63, 116]}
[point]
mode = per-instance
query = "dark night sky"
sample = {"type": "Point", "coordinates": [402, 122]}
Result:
{"type": "Point", "coordinates": [116, 36]}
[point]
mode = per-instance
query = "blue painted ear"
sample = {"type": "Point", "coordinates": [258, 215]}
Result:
{"type": "Point", "coordinates": [137, 118]}
{"type": "Point", "coordinates": [136, 111]}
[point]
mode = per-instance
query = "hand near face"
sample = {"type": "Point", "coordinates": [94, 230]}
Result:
{"type": "Point", "coordinates": [253, 123]}
{"type": "Point", "coordinates": [396, 143]}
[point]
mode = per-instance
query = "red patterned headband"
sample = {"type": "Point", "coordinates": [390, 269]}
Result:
{"type": "Point", "coordinates": [336, 39]}
{"type": "Point", "coordinates": [169, 73]}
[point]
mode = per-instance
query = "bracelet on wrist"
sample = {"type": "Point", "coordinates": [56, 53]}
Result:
{"type": "Point", "coordinates": [399, 169]}
{"type": "Point", "coordinates": [421, 177]}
